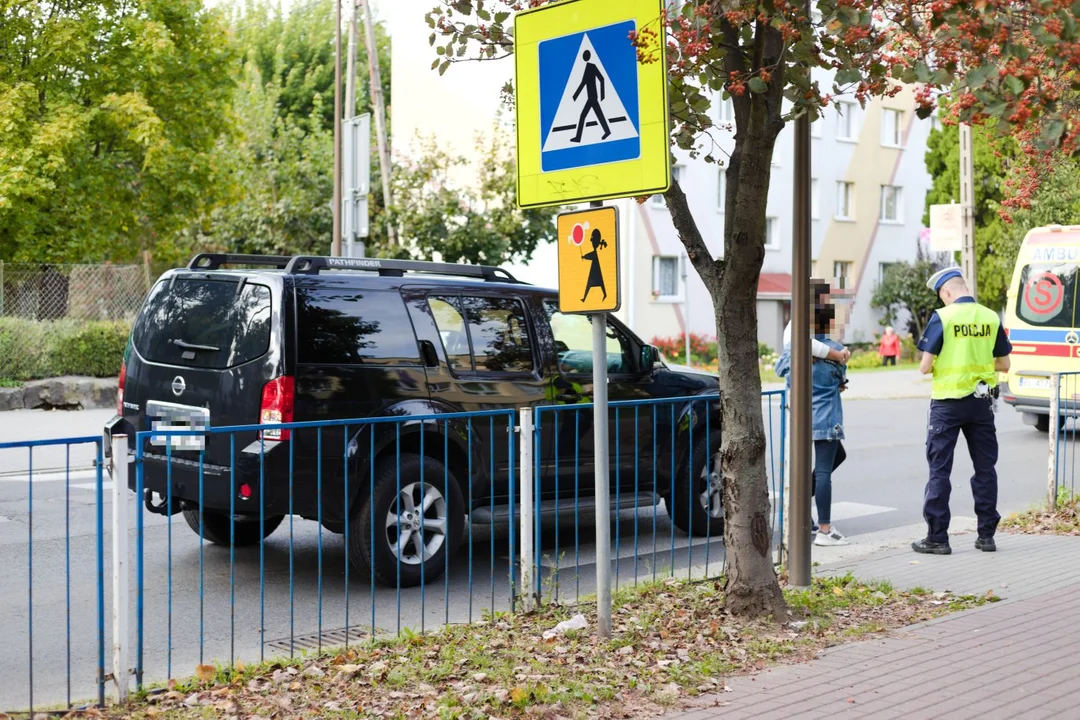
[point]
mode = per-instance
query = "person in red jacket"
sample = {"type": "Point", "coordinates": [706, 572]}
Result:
{"type": "Point", "coordinates": [890, 347]}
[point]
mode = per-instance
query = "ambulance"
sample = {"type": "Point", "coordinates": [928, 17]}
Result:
{"type": "Point", "coordinates": [1042, 319]}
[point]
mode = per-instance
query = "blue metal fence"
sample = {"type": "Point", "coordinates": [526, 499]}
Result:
{"type": "Point", "coordinates": [70, 599]}
{"type": "Point", "coordinates": [414, 525]}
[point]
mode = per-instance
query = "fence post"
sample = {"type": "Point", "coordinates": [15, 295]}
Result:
{"type": "Point", "coordinates": [525, 427]}
{"type": "Point", "coordinates": [121, 602]}
{"type": "Point", "coordinates": [1053, 433]}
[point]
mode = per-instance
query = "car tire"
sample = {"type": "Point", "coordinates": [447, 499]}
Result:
{"type": "Point", "coordinates": [687, 507]}
{"type": "Point", "coordinates": [1042, 423]}
{"type": "Point", "coordinates": [381, 552]}
{"type": "Point", "coordinates": [216, 527]}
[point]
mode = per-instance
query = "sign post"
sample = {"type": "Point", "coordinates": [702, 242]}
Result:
{"type": "Point", "coordinates": [592, 125]}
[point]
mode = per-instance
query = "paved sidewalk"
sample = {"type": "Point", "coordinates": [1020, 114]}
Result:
{"type": "Point", "coordinates": [882, 385]}
{"type": "Point", "coordinates": [1013, 659]}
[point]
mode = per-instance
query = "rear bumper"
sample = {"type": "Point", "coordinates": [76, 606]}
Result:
{"type": "Point", "coordinates": [1038, 406]}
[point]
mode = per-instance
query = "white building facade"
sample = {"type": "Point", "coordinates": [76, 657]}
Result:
{"type": "Point", "coordinates": [868, 191]}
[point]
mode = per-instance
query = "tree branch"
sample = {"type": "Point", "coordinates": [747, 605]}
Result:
{"type": "Point", "coordinates": [689, 235]}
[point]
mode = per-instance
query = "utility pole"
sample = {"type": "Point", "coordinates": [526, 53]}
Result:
{"type": "Point", "coordinates": [967, 208]}
{"type": "Point", "coordinates": [350, 113]}
{"type": "Point", "coordinates": [335, 244]}
{"type": "Point", "coordinates": [379, 110]}
{"type": "Point", "coordinates": [799, 513]}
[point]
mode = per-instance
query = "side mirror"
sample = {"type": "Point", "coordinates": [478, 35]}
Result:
{"type": "Point", "coordinates": [650, 357]}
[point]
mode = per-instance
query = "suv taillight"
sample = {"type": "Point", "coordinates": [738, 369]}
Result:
{"type": "Point", "coordinates": [120, 389]}
{"type": "Point", "coordinates": [277, 406]}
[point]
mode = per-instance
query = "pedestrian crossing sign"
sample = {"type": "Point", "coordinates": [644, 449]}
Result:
{"type": "Point", "coordinates": [588, 243]}
{"type": "Point", "coordinates": [592, 120]}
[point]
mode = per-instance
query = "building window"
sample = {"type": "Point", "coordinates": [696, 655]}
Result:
{"type": "Point", "coordinates": [817, 128]}
{"type": "Point", "coordinates": [815, 204]}
{"type": "Point", "coordinates": [891, 204]}
{"type": "Point", "coordinates": [842, 274]}
{"type": "Point", "coordinates": [884, 269]}
{"type": "Point", "coordinates": [665, 283]}
{"type": "Point", "coordinates": [845, 200]}
{"type": "Point", "coordinates": [721, 190]}
{"type": "Point", "coordinates": [892, 128]}
{"type": "Point", "coordinates": [935, 121]}
{"type": "Point", "coordinates": [726, 108]}
{"type": "Point", "coordinates": [772, 234]}
{"type": "Point", "coordinates": [848, 122]}
{"type": "Point", "coordinates": [676, 175]}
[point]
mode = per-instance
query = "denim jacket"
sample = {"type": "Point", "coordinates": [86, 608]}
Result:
{"type": "Point", "coordinates": [828, 377]}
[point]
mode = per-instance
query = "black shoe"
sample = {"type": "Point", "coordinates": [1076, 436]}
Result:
{"type": "Point", "coordinates": [926, 547]}
{"type": "Point", "coordinates": [986, 544]}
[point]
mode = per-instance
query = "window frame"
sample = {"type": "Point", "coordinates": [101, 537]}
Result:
{"type": "Point", "coordinates": [658, 201]}
{"type": "Point", "coordinates": [772, 237]}
{"type": "Point", "coordinates": [897, 141]}
{"type": "Point", "coordinates": [848, 266]}
{"type": "Point", "coordinates": [845, 189]}
{"type": "Point", "coordinates": [725, 109]}
{"type": "Point", "coordinates": [632, 341]}
{"type": "Point", "coordinates": [815, 199]}
{"type": "Point", "coordinates": [679, 295]}
{"type": "Point", "coordinates": [721, 190]}
{"type": "Point", "coordinates": [474, 373]}
{"type": "Point", "coordinates": [898, 205]}
{"type": "Point", "coordinates": [849, 115]}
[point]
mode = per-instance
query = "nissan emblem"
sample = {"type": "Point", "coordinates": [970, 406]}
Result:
{"type": "Point", "coordinates": [178, 386]}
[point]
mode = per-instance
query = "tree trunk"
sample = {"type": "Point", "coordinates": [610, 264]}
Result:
{"type": "Point", "coordinates": [751, 586]}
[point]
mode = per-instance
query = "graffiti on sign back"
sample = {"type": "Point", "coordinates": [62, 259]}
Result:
{"type": "Point", "coordinates": [1044, 294]}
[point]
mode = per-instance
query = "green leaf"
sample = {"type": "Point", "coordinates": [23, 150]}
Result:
{"type": "Point", "coordinates": [757, 85]}
{"type": "Point", "coordinates": [501, 17]}
{"type": "Point", "coordinates": [1016, 85]}
{"type": "Point", "coordinates": [848, 76]}
{"type": "Point", "coordinates": [978, 77]}
{"type": "Point", "coordinates": [1053, 130]}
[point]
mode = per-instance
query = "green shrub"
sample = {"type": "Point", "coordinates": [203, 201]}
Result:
{"type": "Point", "coordinates": [33, 350]}
{"type": "Point", "coordinates": [763, 350]}
{"type": "Point", "coordinates": [862, 359]}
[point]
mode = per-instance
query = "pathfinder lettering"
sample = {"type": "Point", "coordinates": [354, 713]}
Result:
{"type": "Point", "coordinates": [971, 330]}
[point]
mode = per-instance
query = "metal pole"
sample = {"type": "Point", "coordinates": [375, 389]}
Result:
{"type": "Point", "coordinates": [799, 511]}
{"type": "Point", "coordinates": [1054, 434]}
{"type": "Point", "coordinates": [121, 600]}
{"type": "Point", "coordinates": [349, 159]}
{"type": "Point", "coordinates": [686, 307]}
{"type": "Point", "coordinates": [602, 474]}
{"type": "Point", "coordinates": [967, 205]}
{"type": "Point", "coordinates": [525, 427]}
{"type": "Point", "coordinates": [379, 111]}
{"type": "Point", "coordinates": [335, 243]}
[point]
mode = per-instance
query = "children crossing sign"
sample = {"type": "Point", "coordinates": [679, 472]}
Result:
{"type": "Point", "coordinates": [592, 121]}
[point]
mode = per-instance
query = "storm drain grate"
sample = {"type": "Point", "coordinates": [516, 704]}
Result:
{"type": "Point", "coordinates": [328, 638]}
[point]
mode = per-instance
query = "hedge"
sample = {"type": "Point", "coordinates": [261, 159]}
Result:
{"type": "Point", "coordinates": [34, 350]}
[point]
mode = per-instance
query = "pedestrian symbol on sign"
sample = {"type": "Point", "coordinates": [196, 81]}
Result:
{"type": "Point", "coordinates": [589, 98]}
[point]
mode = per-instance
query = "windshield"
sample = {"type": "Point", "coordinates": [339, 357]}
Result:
{"type": "Point", "coordinates": [1047, 295]}
{"type": "Point", "coordinates": [203, 323]}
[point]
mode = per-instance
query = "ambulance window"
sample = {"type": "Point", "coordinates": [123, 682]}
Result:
{"type": "Point", "coordinates": [1046, 296]}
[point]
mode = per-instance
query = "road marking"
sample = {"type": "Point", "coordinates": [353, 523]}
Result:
{"type": "Point", "coordinates": [851, 510]}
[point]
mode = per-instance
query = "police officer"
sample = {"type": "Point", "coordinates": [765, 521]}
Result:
{"type": "Point", "coordinates": [964, 346]}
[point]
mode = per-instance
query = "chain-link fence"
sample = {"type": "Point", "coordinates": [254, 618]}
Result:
{"type": "Point", "coordinates": [66, 319]}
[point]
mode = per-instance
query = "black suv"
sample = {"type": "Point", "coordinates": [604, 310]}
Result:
{"type": "Point", "coordinates": [293, 339]}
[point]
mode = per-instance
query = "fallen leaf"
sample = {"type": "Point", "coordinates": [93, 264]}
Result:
{"type": "Point", "coordinates": [838, 591]}
{"type": "Point", "coordinates": [205, 673]}
{"type": "Point", "coordinates": [519, 695]}
{"type": "Point", "coordinates": [479, 677]}
{"type": "Point", "coordinates": [625, 650]}
{"type": "Point", "coordinates": [914, 562]}
{"type": "Point", "coordinates": [314, 672]}
{"type": "Point", "coordinates": [349, 670]}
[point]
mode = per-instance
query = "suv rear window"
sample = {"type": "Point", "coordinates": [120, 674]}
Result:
{"type": "Point", "coordinates": [203, 323]}
{"type": "Point", "coordinates": [340, 326]}
{"type": "Point", "coordinates": [1047, 295]}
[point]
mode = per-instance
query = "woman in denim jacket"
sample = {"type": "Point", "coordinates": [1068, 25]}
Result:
{"type": "Point", "coordinates": [829, 380]}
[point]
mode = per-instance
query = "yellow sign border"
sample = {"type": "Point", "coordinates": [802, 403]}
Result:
{"type": "Point", "coordinates": [618, 258]}
{"type": "Point", "coordinates": [578, 185]}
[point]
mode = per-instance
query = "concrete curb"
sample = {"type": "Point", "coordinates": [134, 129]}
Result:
{"type": "Point", "coordinates": [62, 393]}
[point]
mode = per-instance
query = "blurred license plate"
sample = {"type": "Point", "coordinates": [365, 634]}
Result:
{"type": "Point", "coordinates": [1035, 383]}
{"type": "Point", "coordinates": [166, 417]}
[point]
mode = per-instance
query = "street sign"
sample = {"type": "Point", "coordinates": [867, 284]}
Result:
{"type": "Point", "coordinates": [592, 122]}
{"type": "Point", "coordinates": [946, 228]}
{"type": "Point", "coordinates": [589, 261]}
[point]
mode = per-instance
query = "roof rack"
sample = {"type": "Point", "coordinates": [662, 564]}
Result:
{"type": "Point", "coordinates": [214, 261]}
{"type": "Point", "coordinates": [310, 265]}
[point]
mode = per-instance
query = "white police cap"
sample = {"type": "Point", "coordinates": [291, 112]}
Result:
{"type": "Point", "coordinates": [943, 276]}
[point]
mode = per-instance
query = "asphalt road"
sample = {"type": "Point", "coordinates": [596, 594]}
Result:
{"type": "Point", "coordinates": [878, 489]}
